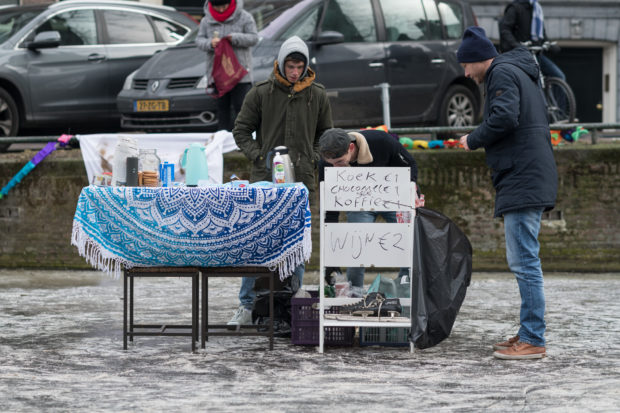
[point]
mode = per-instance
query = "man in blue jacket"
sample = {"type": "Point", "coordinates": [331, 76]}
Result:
{"type": "Point", "coordinates": [515, 136]}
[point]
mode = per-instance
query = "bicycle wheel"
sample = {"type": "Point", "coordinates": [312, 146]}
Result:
{"type": "Point", "coordinates": [560, 101]}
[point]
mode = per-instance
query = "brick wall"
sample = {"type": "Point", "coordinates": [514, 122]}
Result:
{"type": "Point", "coordinates": [36, 216]}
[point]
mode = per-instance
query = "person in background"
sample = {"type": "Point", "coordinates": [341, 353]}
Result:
{"type": "Point", "coordinates": [523, 21]}
{"type": "Point", "coordinates": [364, 148]}
{"type": "Point", "coordinates": [515, 136]}
{"type": "Point", "coordinates": [226, 18]}
{"type": "Point", "coordinates": [288, 109]}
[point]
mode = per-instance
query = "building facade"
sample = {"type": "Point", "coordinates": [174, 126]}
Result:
{"type": "Point", "coordinates": [589, 34]}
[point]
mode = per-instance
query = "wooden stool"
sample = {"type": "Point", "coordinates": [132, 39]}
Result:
{"type": "Point", "coordinates": [130, 331]}
{"type": "Point", "coordinates": [256, 272]}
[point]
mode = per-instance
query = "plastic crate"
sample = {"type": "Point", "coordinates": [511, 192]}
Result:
{"type": "Point", "coordinates": [386, 336]}
{"type": "Point", "coordinates": [305, 324]}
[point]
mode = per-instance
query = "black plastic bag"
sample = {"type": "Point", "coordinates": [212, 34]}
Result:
{"type": "Point", "coordinates": [442, 266]}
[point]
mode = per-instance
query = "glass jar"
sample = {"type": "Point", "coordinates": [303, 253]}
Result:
{"type": "Point", "coordinates": [149, 161]}
{"type": "Point", "coordinates": [148, 165]}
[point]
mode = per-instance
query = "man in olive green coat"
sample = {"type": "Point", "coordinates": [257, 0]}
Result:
{"type": "Point", "coordinates": [288, 109]}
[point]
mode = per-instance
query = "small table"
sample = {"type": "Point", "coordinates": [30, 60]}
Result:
{"type": "Point", "coordinates": [256, 272]}
{"type": "Point", "coordinates": [207, 228]}
{"type": "Point", "coordinates": [129, 329]}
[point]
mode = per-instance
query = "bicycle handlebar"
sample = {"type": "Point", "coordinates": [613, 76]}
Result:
{"type": "Point", "coordinates": [543, 47]}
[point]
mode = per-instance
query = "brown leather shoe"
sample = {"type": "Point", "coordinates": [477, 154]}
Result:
{"type": "Point", "coordinates": [521, 351]}
{"type": "Point", "coordinates": [506, 344]}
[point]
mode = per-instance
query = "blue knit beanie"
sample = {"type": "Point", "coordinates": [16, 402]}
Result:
{"type": "Point", "coordinates": [475, 46]}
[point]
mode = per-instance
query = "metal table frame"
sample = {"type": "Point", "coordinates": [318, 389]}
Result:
{"type": "Point", "coordinates": [129, 328]}
{"type": "Point", "coordinates": [256, 272]}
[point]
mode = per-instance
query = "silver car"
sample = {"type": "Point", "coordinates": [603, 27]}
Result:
{"type": "Point", "coordinates": [63, 64]}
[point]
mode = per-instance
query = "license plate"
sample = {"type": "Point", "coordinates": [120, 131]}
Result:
{"type": "Point", "coordinates": [160, 105]}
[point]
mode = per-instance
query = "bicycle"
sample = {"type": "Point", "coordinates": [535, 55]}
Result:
{"type": "Point", "coordinates": [560, 100]}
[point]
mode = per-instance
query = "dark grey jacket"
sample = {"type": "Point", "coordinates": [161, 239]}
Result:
{"type": "Point", "coordinates": [242, 30]}
{"type": "Point", "coordinates": [515, 135]}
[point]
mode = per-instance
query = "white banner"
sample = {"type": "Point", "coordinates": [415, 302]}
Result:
{"type": "Point", "coordinates": [98, 150]}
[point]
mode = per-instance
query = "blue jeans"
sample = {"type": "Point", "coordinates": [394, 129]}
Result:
{"type": "Point", "coordinates": [521, 229]}
{"type": "Point", "coordinates": [549, 68]}
{"type": "Point", "coordinates": [247, 294]}
{"type": "Point", "coordinates": [356, 274]}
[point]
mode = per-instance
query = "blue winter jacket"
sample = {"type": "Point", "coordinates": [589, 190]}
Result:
{"type": "Point", "coordinates": [515, 135]}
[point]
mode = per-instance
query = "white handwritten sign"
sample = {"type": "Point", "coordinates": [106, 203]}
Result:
{"type": "Point", "coordinates": [379, 244]}
{"type": "Point", "coordinates": [368, 189]}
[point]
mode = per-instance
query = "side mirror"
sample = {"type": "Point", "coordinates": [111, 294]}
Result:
{"type": "Point", "coordinates": [45, 40]}
{"type": "Point", "coordinates": [329, 37]}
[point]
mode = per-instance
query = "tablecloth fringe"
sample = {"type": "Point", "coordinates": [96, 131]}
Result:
{"type": "Point", "coordinates": [95, 255]}
{"type": "Point", "coordinates": [301, 253]}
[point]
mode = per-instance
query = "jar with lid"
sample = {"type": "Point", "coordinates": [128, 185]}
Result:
{"type": "Point", "coordinates": [149, 167]}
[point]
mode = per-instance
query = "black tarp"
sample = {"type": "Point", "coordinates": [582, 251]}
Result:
{"type": "Point", "coordinates": [442, 266]}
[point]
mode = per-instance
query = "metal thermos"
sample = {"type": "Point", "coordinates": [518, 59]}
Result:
{"type": "Point", "coordinates": [285, 160]}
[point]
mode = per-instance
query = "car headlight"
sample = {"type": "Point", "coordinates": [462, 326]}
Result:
{"type": "Point", "coordinates": [129, 80]}
{"type": "Point", "coordinates": [202, 83]}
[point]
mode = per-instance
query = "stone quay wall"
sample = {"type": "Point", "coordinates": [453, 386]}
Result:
{"type": "Point", "coordinates": [581, 234]}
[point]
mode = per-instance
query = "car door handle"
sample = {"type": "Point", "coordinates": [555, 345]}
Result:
{"type": "Point", "coordinates": [438, 61]}
{"type": "Point", "coordinates": [375, 64]}
{"type": "Point", "coordinates": [95, 57]}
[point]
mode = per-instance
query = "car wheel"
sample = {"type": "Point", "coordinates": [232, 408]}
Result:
{"type": "Point", "coordinates": [9, 118]}
{"type": "Point", "coordinates": [458, 107]}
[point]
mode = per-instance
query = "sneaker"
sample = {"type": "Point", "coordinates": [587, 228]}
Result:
{"type": "Point", "coordinates": [506, 344]}
{"type": "Point", "coordinates": [374, 304]}
{"type": "Point", "coordinates": [332, 274]}
{"type": "Point", "coordinates": [243, 316]}
{"type": "Point", "coordinates": [521, 351]}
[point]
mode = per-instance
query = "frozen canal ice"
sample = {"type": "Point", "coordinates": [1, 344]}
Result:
{"type": "Point", "coordinates": [61, 349]}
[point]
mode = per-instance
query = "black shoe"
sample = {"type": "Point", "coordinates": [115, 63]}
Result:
{"type": "Point", "coordinates": [331, 274]}
{"type": "Point", "coordinates": [374, 304]}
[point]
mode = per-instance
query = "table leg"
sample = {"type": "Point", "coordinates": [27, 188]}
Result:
{"type": "Point", "coordinates": [197, 312]}
{"type": "Point", "coordinates": [271, 310]}
{"type": "Point", "coordinates": [131, 306]}
{"type": "Point", "coordinates": [124, 309]}
{"type": "Point", "coordinates": [194, 315]}
{"type": "Point", "coordinates": [203, 325]}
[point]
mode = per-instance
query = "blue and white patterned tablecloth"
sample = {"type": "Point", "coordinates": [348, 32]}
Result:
{"type": "Point", "coordinates": [207, 227]}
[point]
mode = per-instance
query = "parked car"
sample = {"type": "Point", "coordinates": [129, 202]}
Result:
{"type": "Point", "coordinates": [354, 45]}
{"type": "Point", "coordinates": [64, 63]}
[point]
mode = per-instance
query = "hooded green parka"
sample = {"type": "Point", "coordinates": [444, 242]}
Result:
{"type": "Point", "coordinates": [284, 115]}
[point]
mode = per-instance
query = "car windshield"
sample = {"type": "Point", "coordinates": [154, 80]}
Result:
{"type": "Point", "coordinates": [263, 11]}
{"type": "Point", "coordinates": [12, 20]}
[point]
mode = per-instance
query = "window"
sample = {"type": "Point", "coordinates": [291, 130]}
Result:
{"type": "Point", "coordinates": [76, 27]}
{"type": "Point", "coordinates": [432, 17]}
{"type": "Point", "coordinates": [405, 20]}
{"type": "Point", "coordinates": [13, 21]}
{"type": "Point", "coordinates": [126, 27]}
{"type": "Point", "coordinates": [169, 31]}
{"type": "Point", "coordinates": [304, 28]}
{"type": "Point", "coordinates": [353, 18]}
{"type": "Point", "coordinates": [452, 17]}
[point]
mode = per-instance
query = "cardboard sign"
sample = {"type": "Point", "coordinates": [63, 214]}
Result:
{"type": "Point", "coordinates": [377, 244]}
{"type": "Point", "coordinates": [368, 189]}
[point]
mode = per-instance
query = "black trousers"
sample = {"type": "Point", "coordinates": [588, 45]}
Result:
{"type": "Point", "coordinates": [229, 102]}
